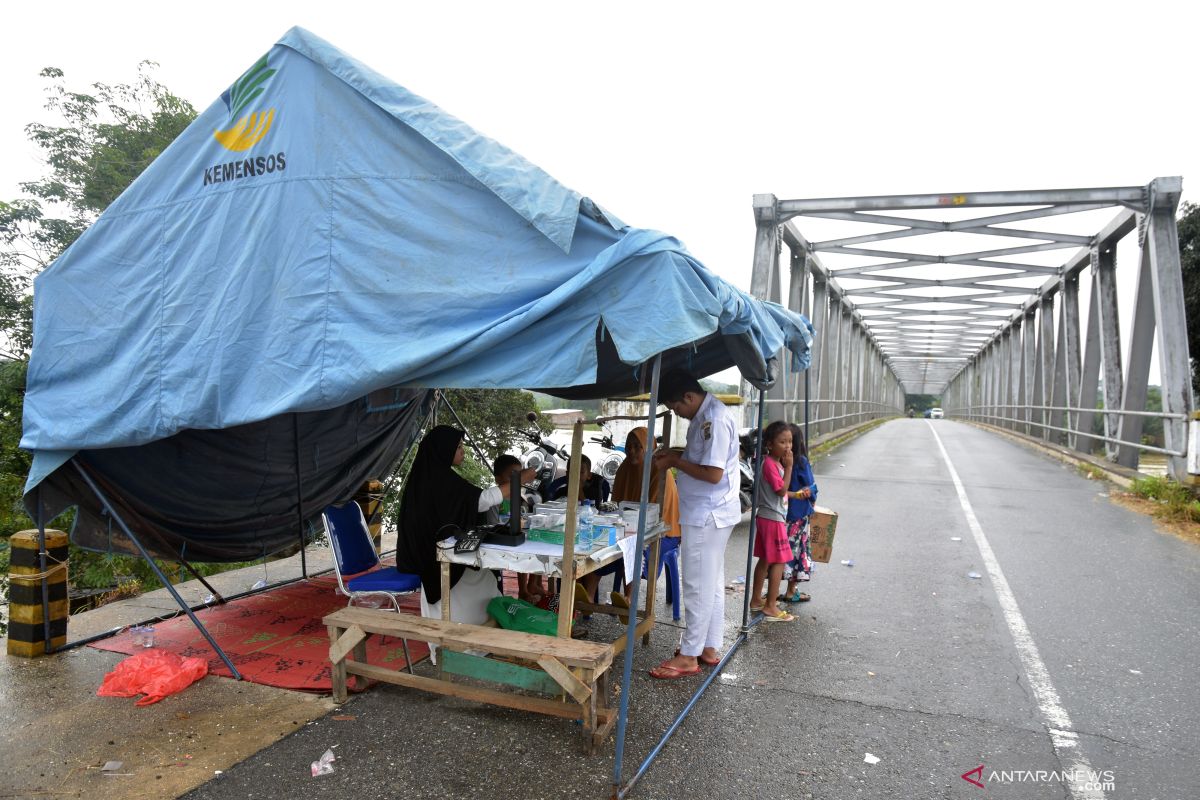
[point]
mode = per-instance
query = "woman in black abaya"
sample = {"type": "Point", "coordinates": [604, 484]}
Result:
{"type": "Point", "coordinates": [435, 497]}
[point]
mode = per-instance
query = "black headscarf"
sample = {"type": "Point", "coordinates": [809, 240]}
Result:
{"type": "Point", "coordinates": [435, 496]}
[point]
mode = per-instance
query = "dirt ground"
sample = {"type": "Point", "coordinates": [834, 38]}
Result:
{"type": "Point", "coordinates": [58, 734]}
{"type": "Point", "coordinates": [1184, 529]}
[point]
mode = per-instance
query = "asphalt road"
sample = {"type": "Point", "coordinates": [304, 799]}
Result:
{"type": "Point", "coordinates": [903, 656]}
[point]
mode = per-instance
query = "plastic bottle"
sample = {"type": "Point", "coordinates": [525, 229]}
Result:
{"type": "Point", "coordinates": [584, 535]}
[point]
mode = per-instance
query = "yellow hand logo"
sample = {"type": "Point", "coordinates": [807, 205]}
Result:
{"type": "Point", "coordinates": [248, 130]}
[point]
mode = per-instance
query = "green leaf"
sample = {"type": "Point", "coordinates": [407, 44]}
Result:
{"type": "Point", "coordinates": [245, 77]}
{"type": "Point", "coordinates": [241, 105]}
{"type": "Point", "coordinates": [245, 88]}
{"type": "Point", "coordinates": [248, 91]}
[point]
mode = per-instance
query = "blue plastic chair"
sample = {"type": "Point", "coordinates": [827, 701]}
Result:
{"type": "Point", "coordinates": [356, 562]}
{"type": "Point", "coordinates": [668, 557]}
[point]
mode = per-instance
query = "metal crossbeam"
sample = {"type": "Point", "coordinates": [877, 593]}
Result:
{"type": "Point", "coordinates": [1130, 196]}
{"type": "Point", "coordinates": [981, 326]}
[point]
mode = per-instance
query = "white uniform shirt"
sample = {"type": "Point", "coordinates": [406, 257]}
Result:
{"type": "Point", "coordinates": [712, 442]}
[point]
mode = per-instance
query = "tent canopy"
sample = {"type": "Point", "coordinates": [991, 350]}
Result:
{"type": "Point", "coordinates": [267, 304]}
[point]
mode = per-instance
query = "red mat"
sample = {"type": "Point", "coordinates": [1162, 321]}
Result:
{"type": "Point", "coordinates": [274, 638]}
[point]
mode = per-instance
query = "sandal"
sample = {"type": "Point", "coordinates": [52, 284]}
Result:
{"type": "Point", "coordinates": [782, 616]}
{"type": "Point", "coordinates": [666, 672]}
{"type": "Point", "coordinates": [708, 662]}
{"type": "Point", "coordinates": [796, 597]}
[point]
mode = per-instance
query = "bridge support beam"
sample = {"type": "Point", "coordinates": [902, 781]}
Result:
{"type": "Point", "coordinates": [1036, 367]}
{"type": "Point", "coordinates": [1162, 242]}
{"type": "Point", "coordinates": [841, 387]}
{"type": "Point", "coordinates": [1141, 345]}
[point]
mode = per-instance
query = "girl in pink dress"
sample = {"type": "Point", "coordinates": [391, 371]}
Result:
{"type": "Point", "coordinates": [771, 545]}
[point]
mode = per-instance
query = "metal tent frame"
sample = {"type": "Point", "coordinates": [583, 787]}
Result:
{"type": "Point", "coordinates": [621, 787]}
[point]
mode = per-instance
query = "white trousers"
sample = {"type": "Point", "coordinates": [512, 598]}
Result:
{"type": "Point", "coordinates": [468, 601]}
{"type": "Point", "coordinates": [703, 553]}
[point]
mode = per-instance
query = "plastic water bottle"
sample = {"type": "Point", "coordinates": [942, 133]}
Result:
{"type": "Point", "coordinates": [584, 535]}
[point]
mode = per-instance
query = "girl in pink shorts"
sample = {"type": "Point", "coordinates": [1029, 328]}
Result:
{"type": "Point", "coordinates": [771, 545]}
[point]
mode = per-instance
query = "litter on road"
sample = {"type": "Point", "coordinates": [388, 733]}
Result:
{"type": "Point", "coordinates": [324, 764]}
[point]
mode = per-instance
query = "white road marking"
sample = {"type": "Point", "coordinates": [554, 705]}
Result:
{"type": "Point", "coordinates": [1058, 722]}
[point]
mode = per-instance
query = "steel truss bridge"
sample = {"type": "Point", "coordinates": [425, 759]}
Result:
{"type": "Point", "coordinates": [993, 325]}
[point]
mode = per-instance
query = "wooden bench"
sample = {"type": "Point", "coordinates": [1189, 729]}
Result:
{"type": "Point", "coordinates": [569, 670]}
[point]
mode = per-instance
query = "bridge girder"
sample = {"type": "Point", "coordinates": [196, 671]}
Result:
{"type": "Point", "coordinates": [989, 328]}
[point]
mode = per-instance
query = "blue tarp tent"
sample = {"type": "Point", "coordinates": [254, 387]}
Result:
{"type": "Point", "coordinates": [256, 322]}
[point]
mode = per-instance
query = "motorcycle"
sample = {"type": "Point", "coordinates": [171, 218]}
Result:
{"type": "Point", "coordinates": [550, 459]}
{"type": "Point", "coordinates": [746, 447]}
{"type": "Point", "coordinates": [606, 459]}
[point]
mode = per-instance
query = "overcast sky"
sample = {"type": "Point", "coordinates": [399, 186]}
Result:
{"type": "Point", "coordinates": [674, 114]}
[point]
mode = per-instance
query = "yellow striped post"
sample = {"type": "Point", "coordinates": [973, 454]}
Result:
{"type": "Point", "coordinates": [26, 629]}
{"type": "Point", "coordinates": [370, 499]}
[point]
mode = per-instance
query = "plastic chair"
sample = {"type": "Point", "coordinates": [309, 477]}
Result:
{"type": "Point", "coordinates": [356, 562]}
{"type": "Point", "coordinates": [668, 557]}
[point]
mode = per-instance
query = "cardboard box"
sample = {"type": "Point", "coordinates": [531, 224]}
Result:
{"type": "Point", "coordinates": [822, 528]}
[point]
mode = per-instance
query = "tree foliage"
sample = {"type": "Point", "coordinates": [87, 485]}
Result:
{"type": "Point", "coordinates": [920, 403]}
{"type": "Point", "coordinates": [1189, 259]}
{"type": "Point", "coordinates": [496, 422]}
{"type": "Point", "coordinates": [104, 138]}
{"type": "Point", "coordinates": [495, 419]}
{"type": "Point", "coordinates": [107, 138]}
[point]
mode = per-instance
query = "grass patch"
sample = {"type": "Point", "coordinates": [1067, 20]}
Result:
{"type": "Point", "coordinates": [1090, 471]}
{"type": "Point", "coordinates": [1175, 502]}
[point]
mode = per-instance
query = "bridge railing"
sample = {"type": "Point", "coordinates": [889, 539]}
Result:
{"type": "Point", "coordinates": [866, 410]}
{"type": "Point", "coordinates": [1035, 421]}
{"type": "Point", "coordinates": [1057, 364]}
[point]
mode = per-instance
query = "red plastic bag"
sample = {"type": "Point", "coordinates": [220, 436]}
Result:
{"type": "Point", "coordinates": [155, 673]}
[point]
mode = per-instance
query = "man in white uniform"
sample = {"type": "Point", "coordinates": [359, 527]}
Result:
{"type": "Point", "coordinates": [709, 508]}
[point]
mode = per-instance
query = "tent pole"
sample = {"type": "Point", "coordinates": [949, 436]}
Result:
{"type": "Point", "coordinates": [170, 588]}
{"type": "Point", "coordinates": [631, 625]}
{"type": "Point", "coordinates": [466, 433]}
{"type": "Point", "coordinates": [216, 595]}
{"type": "Point", "coordinates": [623, 791]}
{"type": "Point", "coordinates": [299, 495]}
{"type": "Point", "coordinates": [758, 446]}
{"type": "Point", "coordinates": [645, 765]}
{"type": "Point", "coordinates": [162, 617]}
{"type": "Point", "coordinates": [48, 646]}
{"type": "Point", "coordinates": [807, 381]}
